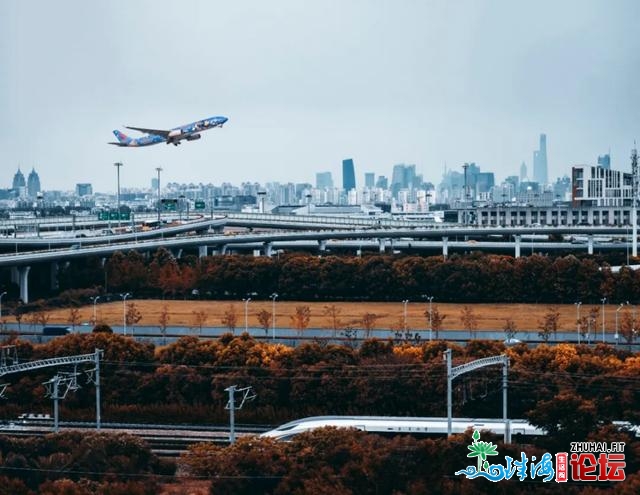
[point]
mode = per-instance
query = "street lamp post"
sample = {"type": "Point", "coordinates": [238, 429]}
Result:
{"type": "Point", "coordinates": [274, 296]}
{"type": "Point", "coordinates": [124, 311]}
{"type": "Point", "coordinates": [181, 206]}
{"type": "Point", "coordinates": [405, 302]}
{"type": "Point", "coordinates": [94, 300]}
{"type": "Point", "coordinates": [246, 313]}
{"type": "Point", "coordinates": [578, 304]}
{"type": "Point", "coordinates": [159, 169]}
{"type": "Point", "coordinates": [604, 300]}
{"type": "Point", "coordinates": [617, 335]}
{"type": "Point", "coordinates": [430, 298]}
{"type": "Point", "coordinates": [1, 296]}
{"type": "Point", "coordinates": [118, 165]}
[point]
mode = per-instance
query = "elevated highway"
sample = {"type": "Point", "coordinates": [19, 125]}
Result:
{"type": "Point", "coordinates": [321, 233]}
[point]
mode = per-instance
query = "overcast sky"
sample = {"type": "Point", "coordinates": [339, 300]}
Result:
{"type": "Point", "coordinates": [308, 83]}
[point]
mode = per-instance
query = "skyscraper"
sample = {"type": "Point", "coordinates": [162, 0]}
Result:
{"type": "Point", "coordinates": [18, 180]}
{"type": "Point", "coordinates": [369, 180]}
{"type": "Point", "coordinates": [540, 162]}
{"type": "Point", "coordinates": [523, 171]}
{"type": "Point", "coordinates": [404, 177]}
{"type": "Point", "coordinates": [33, 184]}
{"type": "Point", "coordinates": [324, 180]}
{"type": "Point", "coordinates": [348, 175]}
{"type": "Point", "coordinates": [605, 161]}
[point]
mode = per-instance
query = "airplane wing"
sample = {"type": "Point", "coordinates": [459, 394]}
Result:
{"type": "Point", "coordinates": [157, 132]}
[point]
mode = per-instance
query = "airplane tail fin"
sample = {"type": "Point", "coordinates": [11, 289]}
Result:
{"type": "Point", "coordinates": [122, 138]}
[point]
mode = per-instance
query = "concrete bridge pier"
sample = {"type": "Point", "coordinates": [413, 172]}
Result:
{"type": "Point", "coordinates": [518, 240]}
{"type": "Point", "coordinates": [445, 247]}
{"type": "Point", "coordinates": [322, 244]}
{"type": "Point", "coordinates": [223, 249]}
{"type": "Point", "coordinates": [590, 244]}
{"type": "Point", "coordinates": [268, 249]}
{"type": "Point", "coordinates": [382, 245]}
{"type": "Point", "coordinates": [53, 275]}
{"type": "Point", "coordinates": [202, 251]}
{"type": "Point", "coordinates": [23, 274]}
{"type": "Point", "coordinates": [177, 253]}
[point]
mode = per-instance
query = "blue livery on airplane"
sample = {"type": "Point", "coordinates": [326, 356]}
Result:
{"type": "Point", "coordinates": [190, 132]}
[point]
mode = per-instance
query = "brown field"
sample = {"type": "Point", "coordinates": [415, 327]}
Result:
{"type": "Point", "coordinates": [490, 316]}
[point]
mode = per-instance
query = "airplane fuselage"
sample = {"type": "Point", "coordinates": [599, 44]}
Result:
{"type": "Point", "coordinates": [189, 132]}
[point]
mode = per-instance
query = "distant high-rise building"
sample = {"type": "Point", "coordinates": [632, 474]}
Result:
{"type": "Point", "coordinates": [484, 182]}
{"type": "Point", "coordinates": [348, 175]}
{"type": "Point", "coordinates": [605, 161]}
{"type": "Point", "coordinates": [514, 181]}
{"type": "Point", "coordinates": [85, 189]}
{"type": "Point", "coordinates": [523, 172]}
{"type": "Point", "coordinates": [540, 162]}
{"type": "Point", "coordinates": [382, 182]}
{"type": "Point", "coordinates": [33, 184]}
{"type": "Point", "coordinates": [18, 180]}
{"type": "Point", "coordinates": [404, 177]}
{"type": "Point", "coordinates": [369, 180]}
{"type": "Point", "coordinates": [324, 180]}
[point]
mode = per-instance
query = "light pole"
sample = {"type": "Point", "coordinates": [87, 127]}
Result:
{"type": "Point", "coordinates": [405, 302]}
{"type": "Point", "coordinates": [246, 313]}
{"type": "Point", "coordinates": [118, 165]}
{"type": "Point", "coordinates": [94, 300]}
{"type": "Point", "coordinates": [274, 296]}
{"type": "Point", "coordinates": [617, 336]}
{"type": "Point", "coordinates": [430, 299]}
{"type": "Point", "coordinates": [578, 304]}
{"type": "Point", "coordinates": [124, 311]}
{"type": "Point", "coordinates": [1, 296]}
{"type": "Point", "coordinates": [181, 205]}
{"type": "Point", "coordinates": [604, 300]}
{"type": "Point", "coordinates": [159, 169]}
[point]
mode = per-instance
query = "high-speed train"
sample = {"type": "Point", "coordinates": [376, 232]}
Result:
{"type": "Point", "coordinates": [392, 425]}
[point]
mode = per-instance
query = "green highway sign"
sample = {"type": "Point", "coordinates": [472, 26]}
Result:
{"type": "Point", "coordinates": [199, 205]}
{"type": "Point", "coordinates": [169, 204]}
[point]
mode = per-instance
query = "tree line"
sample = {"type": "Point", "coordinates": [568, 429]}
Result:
{"type": "Point", "coordinates": [185, 381]}
{"type": "Point", "coordinates": [471, 278]}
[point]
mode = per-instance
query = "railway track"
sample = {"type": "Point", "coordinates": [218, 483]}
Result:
{"type": "Point", "coordinates": [164, 440]}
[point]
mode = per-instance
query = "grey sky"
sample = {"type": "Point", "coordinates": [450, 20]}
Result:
{"type": "Point", "coordinates": [308, 83]}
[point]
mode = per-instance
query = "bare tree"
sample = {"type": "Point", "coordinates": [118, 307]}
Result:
{"type": "Point", "coordinates": [629, 326]}
{"type": "Point", "coordinates": [549, 324]}
{"type": "Point", "coordinates": [199, 319]}
{"type": "Point", "coordinates": [74, 317]}
{"type": "Point", "coordinates": [437, 320]}
{"type": "Point", "coordinates": [333, 312]}
{"type": "Point", "coordinates": [163, 321]}
{"type": "Point", "coordinates": [469, 320]}
{"type": "Point", "coordinates": [264, 318]}
{"type": "Point", "coordinates": [230, 318]}
{"type": "Point", "coordinates": [368, 322]}
{"type": "Point", "coordinates": [510, 329]}
{"type": "Point", "coordinates": [300, 319]}
{"type": "Point", "coordinates": [132, 315]}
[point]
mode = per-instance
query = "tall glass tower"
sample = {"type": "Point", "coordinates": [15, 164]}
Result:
{"type": "Point", "coordinates": [348, 175]}
{"type": "Point", "coordinates": [540, 162]}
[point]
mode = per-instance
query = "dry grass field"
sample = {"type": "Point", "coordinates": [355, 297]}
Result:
{"type": "Point", "coordinates": [489, 316]}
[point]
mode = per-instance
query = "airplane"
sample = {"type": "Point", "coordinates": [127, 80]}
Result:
{"type": "Point", "coordinates": [190, 132]}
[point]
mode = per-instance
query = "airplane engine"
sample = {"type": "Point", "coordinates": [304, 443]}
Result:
{"type": "Point", "coordinates": [193, 137]}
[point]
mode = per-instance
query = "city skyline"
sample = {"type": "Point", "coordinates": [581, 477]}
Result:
{"type": "Point", "coordinates": [306, 87]}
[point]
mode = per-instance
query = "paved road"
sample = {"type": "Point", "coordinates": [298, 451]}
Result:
{"type": "Point", "coordinates": [289, 336]}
